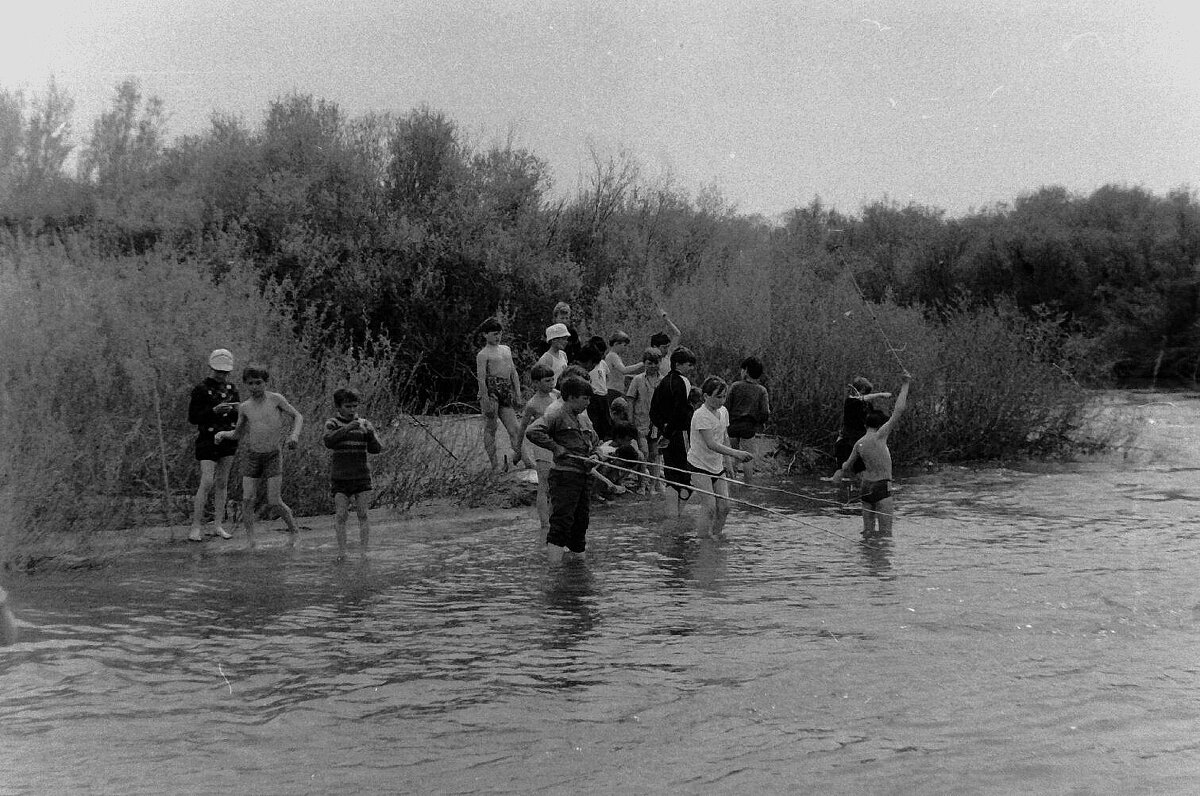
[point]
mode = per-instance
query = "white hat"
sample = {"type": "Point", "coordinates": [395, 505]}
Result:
{"type": "Point", "coordinates": [221, 360]}
{"type": "Point", "coordinates": [557, 330]}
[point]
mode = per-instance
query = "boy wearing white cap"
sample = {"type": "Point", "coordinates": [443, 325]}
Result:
{"type": "Point", "coordinates": [212, 409]}
{"type": "Point", "coordinates": [555, 357]}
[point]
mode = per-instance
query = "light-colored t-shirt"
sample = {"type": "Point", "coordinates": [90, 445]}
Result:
{"type": "Point", "coordinates": [557, 362]}
{"type": "Point", "coordinates": [599, 378]}
{"type": "Point", "coordinates": [699, 454]}
{"type": "Point", "coordinates": [616, 371]}
{"type": "Point", "coordinates": [641, 392]}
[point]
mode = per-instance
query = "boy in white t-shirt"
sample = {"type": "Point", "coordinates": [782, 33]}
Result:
{"type": "Point", "coordinates": [708, 449]}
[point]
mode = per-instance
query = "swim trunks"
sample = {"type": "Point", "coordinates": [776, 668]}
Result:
{"type": "Point", "coordinates": [500, 389]}
{"type": "Point", "coordinates": [350, 486]}
{"type": "Point", "coordinates": [875, 491]}
{"type": "Point", "coordinates": [262, 465]}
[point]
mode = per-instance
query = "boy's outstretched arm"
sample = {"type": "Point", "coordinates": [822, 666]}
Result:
{"type": "Point", "coordinates": [901, 405]}
{"type": "Point", "coordinates": [676, 335]}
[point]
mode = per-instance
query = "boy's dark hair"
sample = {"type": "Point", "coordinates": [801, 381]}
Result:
{"type": "Point", "coordinates": [652, 354]}
{"type": "Point", "coordinates": [255, 372]}
{"type": "Point", "coordinates": [572, 371]}
{"type": "Point", "coordinates": [695, 397]}
{"type": "Point", "coordinates": [343, 396]}
{"type": "Point", "coordinates": [624, 431]}
{"type": "Point", "coordinates": [712, 385]}
{"type": "Point", "coordinates": [491, 325]}
{"type": "Point", "coordinates": [875, 419]}
{"type": "Point", "coordinates": [539, 372]}
{"type": "Point", "coordinates": [589, 355]}
{"type": "Point", "coordinates": [659, 339]}
{"type": "Point", "coordinates": [597, 342]}
{"type": "Point", "coordinates": [753, 367]}
{"type": "Point", "coordinates": [681, 356]}
{"type": "Point", "coordinates": [618, 337]}
{"type": "Point", "coordinates": [574, 387]}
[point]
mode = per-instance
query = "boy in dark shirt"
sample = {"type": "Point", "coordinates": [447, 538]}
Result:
{"type": "Point", "coordinates": [749, 409]}
{"type": "Point", "coordinates": [671, 412]}
{"type": "Point", "coordinates": [351, 438]}
{"type": "Point", "coordinates": [212, 409]}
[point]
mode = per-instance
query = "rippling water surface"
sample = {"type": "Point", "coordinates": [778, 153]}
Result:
{"type": "Point", "coordinates": [1028, 630]}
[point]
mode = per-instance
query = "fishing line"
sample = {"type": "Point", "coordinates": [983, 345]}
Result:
{"type": "Point", "coordinates": [740, 501]}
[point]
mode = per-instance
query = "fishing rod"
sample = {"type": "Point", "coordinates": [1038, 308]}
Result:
{"type": "Point", "coordinates": [739, 501]}
{"type": "Point", "coordinates": [837, 248]}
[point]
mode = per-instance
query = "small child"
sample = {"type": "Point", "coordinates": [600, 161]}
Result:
{"type": "Point", "coordinates": [499, 390]}
{"type": "Point", "coordinates": [627, 454]}
{"type": "Point", "coordinates": [212, 409]}
{"type": "Point", "coordinates": [561, 431]}
{"type": "Point", "coordinates": [542, 380]}
{"type": "Point", "coordinates": [641, 391]}
{"type": "Point", "coordinates": [749, 409]}
{"type": "Point", "coordinates": [872, 449]}
{"type": "Point", "coordinates": [708, 449]}
{"type": "Point", "coordinates": [695, 398]}
{"type": "Point", "coordinates": [260, 426]}
{"type": "Point", "coordinates": [351, 438]}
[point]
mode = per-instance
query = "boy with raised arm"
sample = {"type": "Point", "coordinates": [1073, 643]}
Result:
{"type": "Point", "coordinates": [260, 427]}
{"type": "Point", "coordinates": [872, 449]}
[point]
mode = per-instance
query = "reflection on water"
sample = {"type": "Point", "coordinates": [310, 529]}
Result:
{"type": "Point", "coordinates": [1027, 630]}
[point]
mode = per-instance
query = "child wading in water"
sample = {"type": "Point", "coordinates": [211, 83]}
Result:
{"type": "Point", "coordinates": [641, 391]}
{"type": "Point", "coordinates": [351, 438]}
{"type": "Point", "coordinates": [708, 449]}
{"type": "Point", "coordinates": [749, 410]}
{"type": "Point", "coordinates": [499, 390]}
{"type": "Point", "coordinates": [259, 427]}
{"type": "Point", "coordinates": [573, 443]}
{"type": "Point", "coordinates": [542, 380]}
{"type": "Point", "coordinates": [213, 408]}
{"type": "Point", "coordinates": [872, 449]}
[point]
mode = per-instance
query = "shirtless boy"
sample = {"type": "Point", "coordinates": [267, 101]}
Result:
{"type": "Point", "coordinates": [260, 426]}
{"type": "Point", "coordinates": [872, 450]}
{"type": "Point", "coordinates": [499, 390]}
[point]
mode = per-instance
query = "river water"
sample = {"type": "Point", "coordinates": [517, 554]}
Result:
{"type": "Point", "coordinates": [1028, 630]}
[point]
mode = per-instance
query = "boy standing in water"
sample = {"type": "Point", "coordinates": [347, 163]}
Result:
{"type": "Point", "coordinates": [499, 390]}
{"type": "Point", "coordinates": [260, 423]}
{"type": "Point", "coordinates": [562, 431]}
{"type": "Point", "coordinates": [872, 449]}
{"type": "Point", "coordinates": [542, 380]}
{"type": "Point", "coordinates": [641, 391]}
{"type": "Point", "coordinates": [212, 409]}
{"type": "Point", "coordinates": [671, 411]}
{"type": "Point", "coordinates": [351, 438]}
{"type": "Point", "coordinates": [749, 408]}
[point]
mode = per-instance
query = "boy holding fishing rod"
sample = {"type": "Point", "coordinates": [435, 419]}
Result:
{"type": "Point", "coordinates": [872, 449]}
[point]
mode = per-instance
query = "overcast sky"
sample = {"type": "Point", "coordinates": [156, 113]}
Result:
{"type": "Point", "coordinates": [950, 104]}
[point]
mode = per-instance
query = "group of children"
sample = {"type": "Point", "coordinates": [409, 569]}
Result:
{"type": "Point", "coordinates": [590, 417]}
{"type": "Point", "coordinates": [263, 425]}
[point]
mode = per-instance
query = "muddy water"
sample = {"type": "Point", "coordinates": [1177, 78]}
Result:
{"type": "Point", "coordinates": [1029, 630]}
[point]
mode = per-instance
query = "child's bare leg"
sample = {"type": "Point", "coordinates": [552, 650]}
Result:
{"type": "Point", "coordinates": [341, 512]}
{"type": "Point", "coordinates": [221, 493]}
{"type": "Point", "coordinates": [489, 437]}
{"type": "Point", "coordinates": [508, 416]}
{"type": "Point", "coordinates": [274, 498]}
{"type": "Point", "coordinates": [207, 479]}
{"type": "Point", "coordinates": [543, 496]}
{"type": "Point", "coordinates": [249, 493]}
{"type": "Point", "coordinates": [885, 508]}
{"type": "Point", "coordinates": [720, 505]}
{"type": "Point", "coordinates": [362, 502]}
{"type": "Point", "coordinates": [868, 515]}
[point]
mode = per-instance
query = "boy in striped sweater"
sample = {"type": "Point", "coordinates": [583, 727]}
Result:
{"type": "Point", "coordinates": [351, 438]}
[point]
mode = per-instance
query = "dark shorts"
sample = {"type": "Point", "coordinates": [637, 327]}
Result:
{"type": "Point", "coordinates": [676, 469]}
{"type": "Point", "coordinates": [500, 389]}
{"type": "Point", "coordinates": [742, 428]}
{"type": "Point", "coordinates": [262, 465]}
{"type": "Point", "coordinates": [875, 491]}
{"type": "Point", "coordinates": [350, 486]}
{"type": "Point", "coordinates": [208, 450]}
{"type": "Point", "coordinates": [569, 509]}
